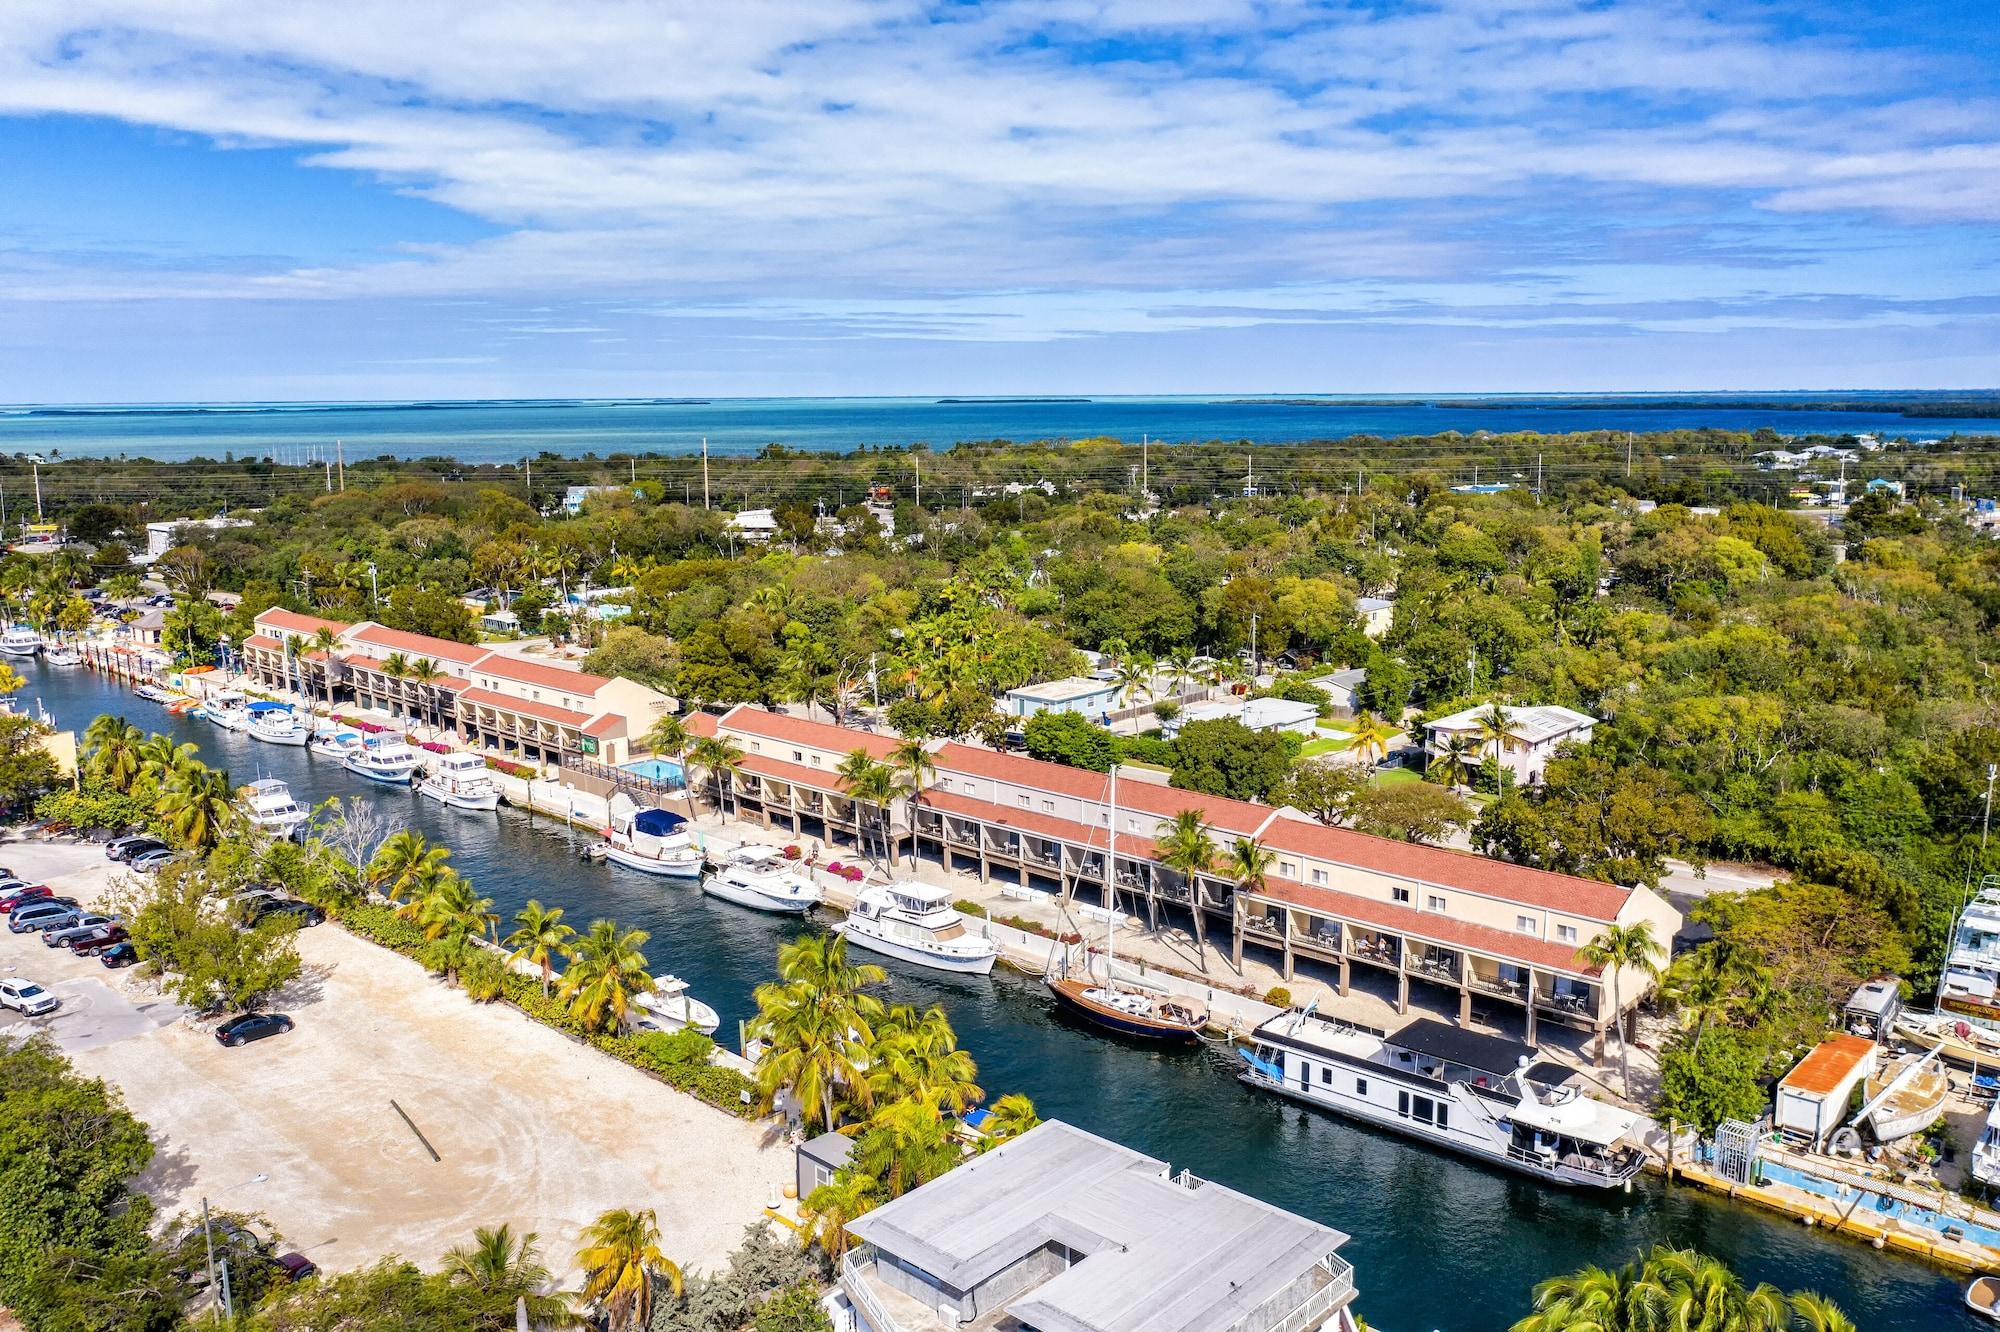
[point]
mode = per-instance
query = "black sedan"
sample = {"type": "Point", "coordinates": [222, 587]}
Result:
{"type": "Point", "coordinates": [252, 1027]}
{"type": "Point", "coordinates": [119, 955]}
{"type": "Point", "coordinates": [277, 908]}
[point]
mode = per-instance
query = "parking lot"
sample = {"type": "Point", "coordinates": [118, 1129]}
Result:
{"type": "Point", "coordinates": [532, 1128]}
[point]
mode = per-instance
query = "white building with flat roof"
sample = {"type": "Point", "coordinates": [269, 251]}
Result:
{"type": "Point", "coordinates": [163, 537]}
{"type": "Point", "coordinates": [1533, 735]}
{"type": "Point", "coordinates": [1087, 697]}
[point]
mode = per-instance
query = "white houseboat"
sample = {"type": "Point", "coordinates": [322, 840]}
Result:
{"type": "Point", "coordinates": [917, 923]}
{"type": "Point", "coordinates": [462, 781]}
{"type": "Point", "coordinates": [227, 709]}
{"type": "Point", "coordinates": [1484, 1096]}
{"type": "Point", "coordinates": [651, 841]}
{"type": "Point", "coordinates": [20, 641]}
{"type": "Point", "coordinates": [388, 759]}
{"type": "Point", "coordinates": [277, 724]}
{"type": "Point", "coordinates": [761, 878]}
{"type": "Point", "coordinates": [669, 1007]}
{"type": "Point", "coordinates": [270, 807]}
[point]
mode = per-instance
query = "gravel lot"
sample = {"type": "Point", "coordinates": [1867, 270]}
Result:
{"type": "Point", "coordinates": [533, 1128]}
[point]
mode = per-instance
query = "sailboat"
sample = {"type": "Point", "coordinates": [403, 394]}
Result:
{"type": "Point", "coordinates": [1135, 1013]}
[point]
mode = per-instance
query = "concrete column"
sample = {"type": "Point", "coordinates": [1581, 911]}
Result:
{"type": "Point", "coordinates": [1464, 1006]}
{"type": "Point", "coordinates": [1402, 990]}
{"type": "Point", "coordinates": [1235, 929]}
{"type": "Point", "coordinates": [1531, 1007]}
{"type": "Point", "coordinates": [1597, 1046]}
{"type": "Point", "coordinates": [1290, 962]}
{"type": "Point", "coordinates": [1344, 975]}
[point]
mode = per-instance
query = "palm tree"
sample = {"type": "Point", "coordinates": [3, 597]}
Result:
{"type": "Point", "coordinates": [324, 641]}
{"type": "Point", "coordinates": [1454, 756]}
{"type": "Point", "coordinates": [1134, 673]}
{"type": "Point", "coordinates": [198, 805]}
{"type": "Point", "coordinates": [1180, 668]}
{"type": "Point", "coordinates": [1371, 737]}
{"type": "Point", "coordinates": [1816, 1313]}
{"type": "Point", "coordinates": [1186, 845]}
{"type": "Point", "coordinates": [818, 1024]}
{"type": "Point", "coordinates": [397, 667]}
{"type": "Point", "coordinates": [721, 759]}
{"type": "Point", "coordinates": [1689, 1289]}
{"type": "Point", "coordinates": [114, 745]}
{"type": "Point", "coordinates": [915, 768]}
{"type": "Point", "coordinates": [1249, 862]}
{"type": "Point", "coordinates": [453, 911]}
{"type": "Point", "coordinates": [1616, 949]}
{"type": "Point", "coordinates": [424, 674]}
{"type": "Point", "coordinates": [1712, 984]}
{"type": "Point", "coordinates": [916, 1057]}
{"type": "Point", "coordinates": [828, 1210]}
{"type": "Point", "coordinates": [669, 739]}
{"type": "Point", "coordinates": [505, 1273]}
{"type": "Point", "coordinates": [907, 1144]}
{"type": "Point", "coordinates": [620, 1257]}
{"type": "Point", "coordinates": [606, 972]}
{"type": "Point", "coordinates": [406, 863]}
{"type": "Point", "coordinates": [540, 936]}
{"type": "Point", "coordinates": [1495, 724]}
{"type": "Point", "coordinates": [160, 759]}
{"type": "Point", "coordinates": [876, 786]}
{"type": "Point", "coordinates": [11, 681]}
{"type": "Point", "coordinates": [1593, 1299]}
{"type": "Point", "coordinates": [1009, 1117]}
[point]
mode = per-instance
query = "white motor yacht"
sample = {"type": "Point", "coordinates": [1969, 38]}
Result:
{"type": "Point", "coordinates": [669, 1007]}
{"type": "Point", "coordinates": [651, 841]}
{"type": "Point", "coordinates": [227, 709]}
{"type": "Point", "coordinates": [1969, 987]}
{"type": "Point", "coordinates": [20, 641]}
{"type": "Point", "coordinates": [271, 808]}
{"type": "Point", "coordinates": [917, 923]}
{"type": "Point", "coordinates": [462, 781]}
{"type": "Point", "coordinates": [1474, 1093]}
{"type": "Point", "coordinates": [63, 654]}
{"type": "Point", "coordinates": [388, 759]}
{"type": "Point", "coordinates": [1986, 1151]}
{"type": "Point", "coordinates": [277, 724]}
{"type": "Point", "coordinates": [761, 878]}
{"type": "Point", "coordinates": [335, 742]}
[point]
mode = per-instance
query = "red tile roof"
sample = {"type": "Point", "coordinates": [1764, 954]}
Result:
{"type": "Point", "coordinates": [264, 641]}
{"type": "Point", "coordinates": [798, 774]}
{"type": "Point", "coordinates": [1235, 818]}
{"type": "Point", "coordinates": [537, 673]}
{"type": "Point", "coordinates": [1429, 925]}
{"type": "Point", "coordinates": [748, 720]}
{"type": "Point", "coordinates": [700, 725]}
{"type": "Point", "coordinates": [508, 703]}
{"type": "Point", "coordinates": [1831, 1063]}
{"type": "Point", "coordinates": [600, 727]}
{"type": "Point", "coordinates": [1450, 869]}
{"type": "Point", "coordinates": [1040, 824]}
{"type": "Point", "coordinates": [419, 645]}
{"type": "Point", "coordinates": [1055, 778]}
{"type": "Point", "coordinates": [294, 622]}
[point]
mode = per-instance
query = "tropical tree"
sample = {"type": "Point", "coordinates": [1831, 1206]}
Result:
{"type": "Point", "coordinates": [1009, 1117]}
{"type": "Point", "coordinates": [818, 1024]}
{"type": "Point", "coordinates": [505, 1273]}
{"type": "Point", "coordinates": [1133, 676]}
{"type": "Point", "coordinates": [539, 936]}
{"type": "Point", "coordinates": [1712, 984]}
{"type": "Point", "coordinates": [621, 1259]}
{"type": "Point", "coordinates": [324, 641]}
{"type": "Point", "coordinates": [916, 1057]}
{"type": "Point", "coordinates": [1179, 664]}
{"type": "Point", "coordinates": [11, 680]}
{"type": "Point", "coordinates": [1457, 753]}
{"type": "Point", "coordinates": [875, 786]}
{"type": "Point", "coordinates": [1673, 1290]}
{"type": "Point", "coordinates": [1371, 737]}
{"type": "Point", "coordinates": [452, 911]}
{"type": "Point", "coordinates": [1494, 725]}
{"type": "Point", "coordinates": [606, 972]}
{"type": "Point", "coordinates": [160, 759]}
{"type": "Point", "coordinates": [198, 806]}
{"type": "Point", "coordinates": [1249, 861]}
{"type": "Point", "coordinates": [1186, 845]}
{"type": "Point", "coordinates": [1814, 1312]}
{"type": "Point", "coordinates": [115, 749]}
{"type": "Point", "coordinates": [425, 674]}
{"type": "Point", "coordinates": [406, 863]}
{"type": "Point", "coordinates": [397, 667]}
{"type": "Point", "coordinates": [1617, 949]}
{"type": "Point", "coordinates": [829, 1209]}
{"type": "Point", "coordinates": [906, 1144]}
{"type": "Point", "coordinates": [669, 738]}
{"type": "Point", "coordinates": [915, 768]}
{"type": "Point", "coordinates": [721, 759]}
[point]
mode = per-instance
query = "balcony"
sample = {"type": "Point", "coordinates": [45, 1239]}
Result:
{"type": "Point", "coordinates": [1380, 949]}
{"type": "Point", "coordinates": [1267, 925]}
{"type": "Point", "coordinates": [1492, 982]}
{"type": "Point", "coordinates": [1333, 1287]}
{"type": "Point", "coordinates": [1580, 1002]}
{"type": "Point", "coordinates": [1434, 964]}
{"type": "Point", "coordinates": [1319, 934]}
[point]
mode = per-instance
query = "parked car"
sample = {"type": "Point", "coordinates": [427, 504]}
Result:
{"type": "Point", "coordinates": [15, 897]}
{"type": "Point", "coordinates": [118, 955]}
{"type": "Point", "coordinates": [40, 914]}
{"type": "Point", "coordinates": [270, 908]}
{"type": "Point", "coordinates": [295, 1266]}
{"type": "Point", "coordinates": [26, 997]}
{"type": "Point", "coordinates": [149, 861]}
{"type": "Point", "coordinates": [94, 940]}
{"type": "Point", "coordinates": [57, 936]}
{"type": "Point", "coordinates": [8, 882]}
{"type": "Point", "coordinates": [124, 848]}
{"type": "Point", "coordinates": [252, 1027]}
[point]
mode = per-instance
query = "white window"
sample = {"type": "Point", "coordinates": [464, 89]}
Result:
{"type": "Point", "coordinates": [798, 756]}
{"type": "Point", "coordinates": [1525, 924]}
{"type": "Point", "coordinates": [1049, 806]}
{"type": "Point", "coordinates": [1432, 902]}
{"type": "Point", "coordinates": [1566, 933]}
{"type": "Point", "coordinates": [1319, 876]}
{"type": "Point", "coordinates": [1287, 867]}
{"type": "Point", "coordinates": [1400, 894]}
{"type": "Point", "coordinates": [1021, 800]}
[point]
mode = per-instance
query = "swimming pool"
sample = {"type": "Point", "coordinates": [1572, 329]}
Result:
{"type": "Point", "coordinates": [1877, 1204]}
{"type": "Point", "coordinates": [664, 771]}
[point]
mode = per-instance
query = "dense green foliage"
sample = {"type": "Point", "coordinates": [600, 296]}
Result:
{"type": "Point", "coordinates": [1678, 1289]}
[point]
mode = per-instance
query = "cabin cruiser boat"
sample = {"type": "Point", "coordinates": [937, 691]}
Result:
{"type": "Point", "coordinates": [651, 841]}
{"type": "Point", "coordinates": [761, 878]}
{"type": "Point", "coordinates": [227, 709]}
{"type": "Point", "coordinates": [1966, 988]}
{"type": "Point", "coordinates": [669, 1007]}
{"type": "Point", "coordinates": [462, 781]}
{"type": "Point", "coordinates": [1484, 1096]}
{"type": "Point", "coordinates": [277, 724]}
{"type": "Point", "coordinates": [63, 654]}
{"type": "Point", "coordinates": [388, 759]}
{"type": "Point", "coordinates": [917, 923]}
{"type": "Point", "coordinates": [1905, 1096]}
{"type": "Point", "coordinates": [335, 742]}
{"type": "Point", "coordinates": [20, 641]}
{"type": "Point", "coordinates": [269, 805]}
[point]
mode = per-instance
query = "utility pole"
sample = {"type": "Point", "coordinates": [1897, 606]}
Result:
{"type": "Point", "coordinates": [531, 482]}
{"type": "Point", "coordinates": [1986, 824]}
{"type": "Point", "coordinates": [38, 489]}
{"type": "Point", "coordinates": [329, 478]}
{"type": "Point", "coordinates": [918, 459]}
{"type": "Point", "coordinates": [1628, 453]}
{"type": "Point", "coordinates": [1145, 475]}
{"type": "Point", "coordinates": [340, 463]}
{"type": "Point", "coordinates": [1538, 478]}
{"type": "Point", "coordinates": [1256, 665]}
{"type": "Point", "coordinates": [704, 471]}
{"type": "Point", "coordinates": [208, 1239]}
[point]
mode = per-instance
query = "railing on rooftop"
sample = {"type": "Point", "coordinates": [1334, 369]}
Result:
{"type": "Point", "coordinates": [854, 1279]}
{"type": "Point", "coordinates": [1309, 1312]}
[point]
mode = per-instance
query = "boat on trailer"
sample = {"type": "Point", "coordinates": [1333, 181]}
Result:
{"type": "Point", "coordinates": [1483, 1096]}
{"type": "Point", "coordinates": [1905, 1096]}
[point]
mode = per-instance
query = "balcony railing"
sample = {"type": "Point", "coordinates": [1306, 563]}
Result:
{"type": "Point", "coordinates": [1337, 1289]}
{"type": "Point", "coordinates": [859, 1285]}
{"type": "Point", "coordinates": [1493, 983]}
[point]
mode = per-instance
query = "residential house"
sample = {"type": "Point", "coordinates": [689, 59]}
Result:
{"type": "Point", "coordinates": [1081, 694]}
{"type": "Point", "coordinates": [163, 537]}
{"type": "Point", "coordinates": [754, 524]}
{"type": "Point", "coordinates": [1062, 1231]}
{"type": "Point", "coordinates": [1340, 688]}
{"type": "Point", "coordinates": [1259, 714]}
{"type": "Point", "coordinates": [1377, 614]}
{"type": "Point", "coordinates": [1533, 736]}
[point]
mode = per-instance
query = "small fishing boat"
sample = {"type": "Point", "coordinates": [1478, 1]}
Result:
{"type": "Point", "coordinates": [1955, 1039]}
{"type": "Point", "coordinates": [277, 724]}
{"type": "Point", "coordinates": [335, 742]}
{"type": "Point", "coordinates": [669, 1007]}
{"type": "Point", "coordinates": [1906, 1096]}
{"type": "Point", "coordinates": [762, 879]}
{"type": "Point", "coordinates": [20, 641]}
{"type": "Point", "coordinates": [462, 781]}
{"type": "Point", "coordinates": [917, 923]}
{"type": "Point", "coordinates": [1983, 1297]}
{"type": "Point", "coordinates": [227, 709]}
{"type": "Point", "coordinates": [651, 841]}
{"type": "Point", "coordinates": [386, 759]}
{"type": "Point", "coordinates": [269, 806]}
{"type": "Point", "coordinates": [63, 654]}
{"type": "Point", "coordinates": [153, 693]}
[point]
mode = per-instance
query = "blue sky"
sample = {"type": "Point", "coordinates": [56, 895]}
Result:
{"type": "Point", "coordinates": [377, 198]}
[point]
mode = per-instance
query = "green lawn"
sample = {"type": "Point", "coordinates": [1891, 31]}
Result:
{"type": "Point", "coordinates": [1397, 777]}
{"type": "Point", "coordinates": [1332, 744]}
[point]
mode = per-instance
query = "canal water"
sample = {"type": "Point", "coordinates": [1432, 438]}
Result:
{"type": "Point", "coordinates": [1438, 1242]}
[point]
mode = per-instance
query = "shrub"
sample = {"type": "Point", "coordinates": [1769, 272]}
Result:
{"type": "Point", "coordinates": [796, 1309]}
{"type": "Point", "coordinates": [483, 976]}
{"type": "Point", "coordinates": [659, 1051]}
{"type": "Point", "coordinates": [1278, 997]}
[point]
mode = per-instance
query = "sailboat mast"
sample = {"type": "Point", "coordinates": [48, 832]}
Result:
{"type": "Point", "coordinates": [1111, 884]}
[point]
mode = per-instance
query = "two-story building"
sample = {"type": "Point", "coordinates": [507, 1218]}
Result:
{"type": "Point", "coordinates": [1533, 735]}
{"type": "Point", "coordinates": [1062, 1231]}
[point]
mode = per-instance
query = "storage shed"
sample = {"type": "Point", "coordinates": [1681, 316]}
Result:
{"type": "Point", "coordinates": [1812, 1098]}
